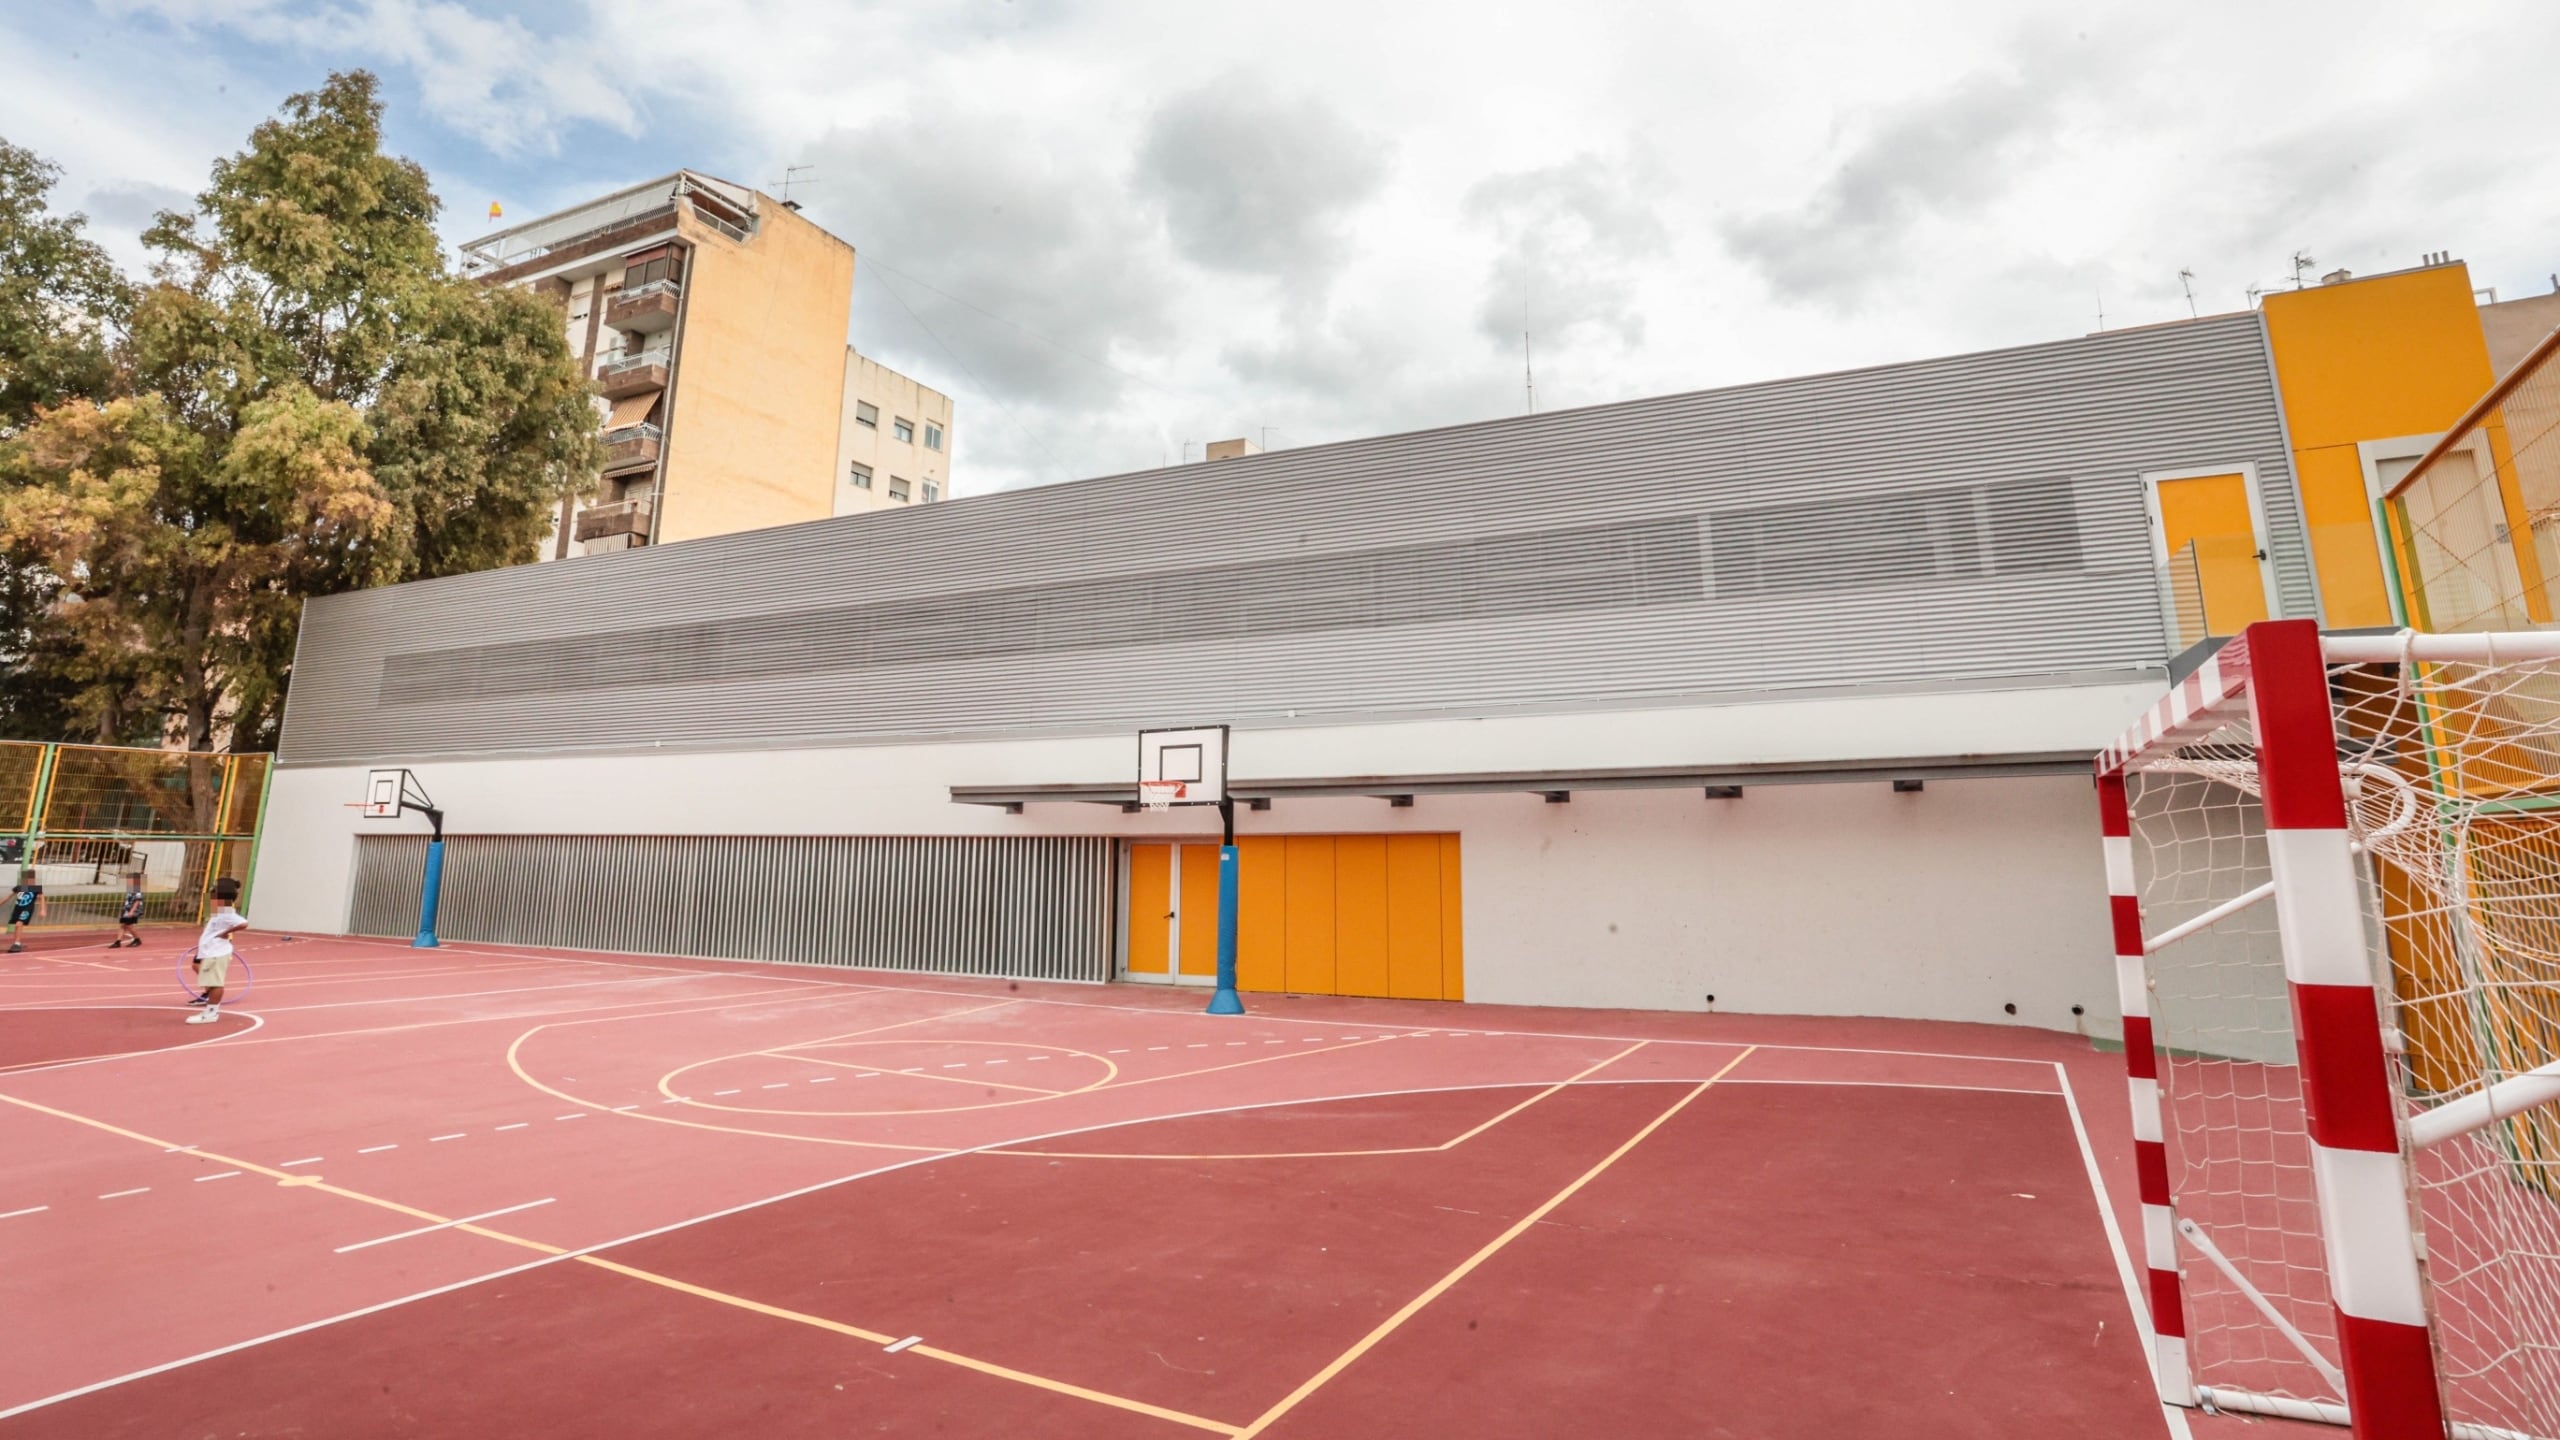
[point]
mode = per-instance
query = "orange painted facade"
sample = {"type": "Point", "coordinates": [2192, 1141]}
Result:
{"type": "Point", "coordinates": [2360, 364]}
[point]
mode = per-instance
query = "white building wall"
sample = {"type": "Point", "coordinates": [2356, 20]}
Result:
{"type": "Point", "coordinates": [1806, 899]}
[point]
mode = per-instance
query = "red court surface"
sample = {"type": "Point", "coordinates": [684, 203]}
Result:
{"type": "Point", "coordinates": [481, 1191]}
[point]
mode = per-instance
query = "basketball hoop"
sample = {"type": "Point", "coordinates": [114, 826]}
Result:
{"type": "Point", "coordinates": [1161, 795]}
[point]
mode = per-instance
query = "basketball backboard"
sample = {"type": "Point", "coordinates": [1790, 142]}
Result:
{"type": "Point", "coordinates": [388, 792]}
{"type": "Point", "coordinates": [1194, 757]}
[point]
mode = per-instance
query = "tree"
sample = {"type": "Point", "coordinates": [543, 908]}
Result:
{"type": "Point", "coordinates": [313, 403]}
{"type": "Point", "coordinates": [61, 304]}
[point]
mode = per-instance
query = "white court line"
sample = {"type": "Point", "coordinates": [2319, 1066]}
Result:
{"type": "Point", "coordinates": [306, 1160]}
{"type": "Point", "coordinates": [718, 1093]}
{"type": "Point", "coordinates": [573, 1115]}
{"type": "Point", "coordinates": [225, 1175]}
{"type": "Point", "coordinates": [993, 1145]}
{"type": "Point", "coordinates": [432, 1139]}
{"type": "Point", "coordinates": [821, 1080]}
{"type": "Point", "coordinates": [30, 1210]}
{"type": "Point", "coordinates": [516, 1126]}
{"type": "Point", "coordinates": [472, 994]}
{"type": "Point", "coordinates": [378, 1149]}
{"type": "Point", "coordinates": [897, 1346]}
{"type": "Point", "coordinates": [447, 1225]}
{"type": "Point", "coordinates": [832, 977]}
{"type": "Point", "coordinates": [2174, 1416]}
{"type": "Point", "coordinates": [778, 1084]}
{"type": "Point", "coordinates": [228, 1032]}
{"type": "Point", "coordinates": [120, 1194]}
{"type": "Point", "coordinates": [618, 1109]}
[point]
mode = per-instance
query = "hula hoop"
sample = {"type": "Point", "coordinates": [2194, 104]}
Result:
{"type": "Point", "coordinates": [232, 989]}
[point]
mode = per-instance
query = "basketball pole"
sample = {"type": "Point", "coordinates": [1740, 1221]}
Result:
{"type": "Point", "coordinates": [431, 889]}
{"type": "Point", "coordinates": [1226, 1001]}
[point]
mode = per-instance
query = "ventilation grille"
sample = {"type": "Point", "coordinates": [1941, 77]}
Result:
{"type": "Point", "coordinates": [1965, 533]}
{"type": "Point", "coordinates": [1029, 908]}
{"type": "Point", "coordinates": [1552, 572]}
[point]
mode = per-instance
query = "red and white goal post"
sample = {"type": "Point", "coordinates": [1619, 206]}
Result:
{"type": "Point", "coordinates": [2334, 871]}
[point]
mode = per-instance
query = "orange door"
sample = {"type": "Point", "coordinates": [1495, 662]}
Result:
{"type": "Point", "coordinates": [1196, 927]}
{"type": "Point", "coordinates": [2217, 582]}
{"type": "Point", "coordinates": [1414, 904]}
{"type": "Point", "coordinates": [1150, 909]}
{"type": "Point", "coordinates": [1309, 926]}
{"type": "Point", "coordinates": [1360, 916]}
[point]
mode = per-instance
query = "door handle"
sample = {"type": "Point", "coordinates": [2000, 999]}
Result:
{"type": "Point", "coordinates": [2262, 554]}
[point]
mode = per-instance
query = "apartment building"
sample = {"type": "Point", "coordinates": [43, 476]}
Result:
{"type": "Point", "coordinates": [712, 319]}
{"type": "Point", "coordinates": [894, 439]}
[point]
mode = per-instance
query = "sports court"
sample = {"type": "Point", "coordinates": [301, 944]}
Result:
{"type": "Point", "coordinates": [486, 1190]}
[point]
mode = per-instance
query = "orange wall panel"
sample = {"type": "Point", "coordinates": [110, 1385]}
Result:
{"type": "Point", "coordinates": [1413, 917]}
{"type": "Point", "coordinates": [1453, 959]}
{"type": "Point", "coordinates": [2375, 359]}
{"type": "Point", "coordinates": [1310, 923]}
{"type": "Point", "coordinates": [1262, 895]}
{"type": "Point", "coordinates": [1360, 914]}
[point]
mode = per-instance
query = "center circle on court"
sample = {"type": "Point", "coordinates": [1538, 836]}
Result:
{"type": "Point", "coordinates": [1016, 1072]}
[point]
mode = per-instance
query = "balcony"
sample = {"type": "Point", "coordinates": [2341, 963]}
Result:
{"type": "Point", "coordinates": [630, 447]}
{"type": "Point", "coordinates": [645, 309]}
{"type": "Point", "coordinates": [623, 517]}
{"type": "Point", "coordinates": [628, 375]}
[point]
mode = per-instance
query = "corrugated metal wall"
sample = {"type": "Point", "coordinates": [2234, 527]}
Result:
{"type": "Point", "coordinates": [1964, 519]}
{"type": "Point", "coordinates": [1034, 908]}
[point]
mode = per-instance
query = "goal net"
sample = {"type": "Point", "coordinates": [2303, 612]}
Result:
{"type": "Point", "coordinates": [2337, 877]}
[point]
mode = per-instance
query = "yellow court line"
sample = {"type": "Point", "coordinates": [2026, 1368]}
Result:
{"type": "Point", "coordinates": [1466, 1267]}
{"type": "Point", "coordinates": [911, 1074]}
{"type": "Point", "coordinates": [932, 1352]}
{"type": "Point", "coordinates": [1450, 1144]}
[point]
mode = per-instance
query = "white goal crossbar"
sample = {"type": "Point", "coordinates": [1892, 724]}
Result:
{"type": "Point", "coordinates": [2346, 1142]}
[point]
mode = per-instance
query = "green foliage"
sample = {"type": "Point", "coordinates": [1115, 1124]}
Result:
{"type": "Point", "coordinates": [61, 304]}
{"type": "Point", "coordinates": [306, 401]}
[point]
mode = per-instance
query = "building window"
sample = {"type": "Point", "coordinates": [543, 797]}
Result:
{"type": "Point", "coordinates": [866, 413]}
{"type": "Point", "coordinates": [861, 476]}
{"type": "Point", "coordinates": [897, 488]}
{"type": "Point", "coordinates": [932, 436]}
{"type": "Point", "coordinates": [932, 492]}
{"type": "Point", "coordinates": [905, 430]}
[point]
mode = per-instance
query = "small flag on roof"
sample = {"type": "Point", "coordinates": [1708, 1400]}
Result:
{"type": "Point", "coordinates": [494, 211]}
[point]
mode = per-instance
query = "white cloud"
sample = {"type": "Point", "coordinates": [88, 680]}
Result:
{"type": "Point", "coordinates": [1196, 221]}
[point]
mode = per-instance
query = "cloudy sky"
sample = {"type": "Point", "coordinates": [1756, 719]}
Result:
{"type": "Point", "coordinates": [1114, 230]}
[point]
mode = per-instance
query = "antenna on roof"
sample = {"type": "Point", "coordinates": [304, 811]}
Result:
{"type": "Point", "coordinates": [791, 176]}
{"type": "Point", "coordinates": [2187, 282]}
{"type": "Point", "coordinates": [1528, 374]}
{"type": "Point", "coordinates": [2102, 310]}
{"type": "Point", "coordinates": [2302, 263]}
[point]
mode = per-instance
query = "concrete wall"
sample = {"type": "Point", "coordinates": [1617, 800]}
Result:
{"type": "Point", "coordinates": [1814, 899]}
{"type": "Point", "coordinates": [759, 374]}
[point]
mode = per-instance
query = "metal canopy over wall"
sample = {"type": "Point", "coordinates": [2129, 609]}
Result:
{"type": "Point", "coordinates": [1560, 784]}
{"type": "Point", "coordinates": [1033, 908]}
{"type": "Point", "coordinates": [1975, 518]}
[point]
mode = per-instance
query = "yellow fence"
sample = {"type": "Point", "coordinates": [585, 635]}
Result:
{"type": "Point", "coordinates": [2475, 524]}
{"type": "Point", "coordinates": [83, 820]}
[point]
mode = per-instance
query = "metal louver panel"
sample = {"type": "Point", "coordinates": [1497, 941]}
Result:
{"type": "Point", "coordinates": [1027, 908]}
{"type": "Point", "coordinates": [1976, 518]}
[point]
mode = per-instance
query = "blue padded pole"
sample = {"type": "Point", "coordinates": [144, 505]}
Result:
{"type": "Point", "coordinates": [428, 893]}
{"type": "Point", "coordinates": [1226, 1001]}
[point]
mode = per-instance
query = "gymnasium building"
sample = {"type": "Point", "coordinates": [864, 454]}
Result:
{"type": "Point", "coordinates": [1777, 698]}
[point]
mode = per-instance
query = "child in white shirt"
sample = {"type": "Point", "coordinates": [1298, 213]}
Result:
{"type": "Point", "coordinates": [213, 949]}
